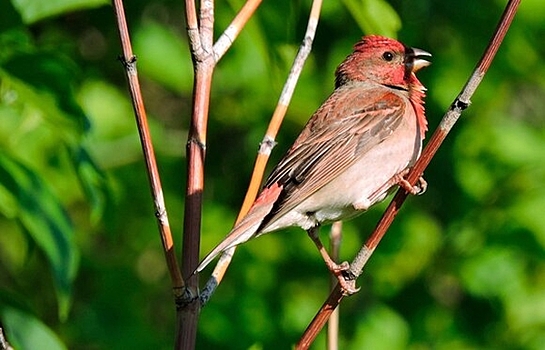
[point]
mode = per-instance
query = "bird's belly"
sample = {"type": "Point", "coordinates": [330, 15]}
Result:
{"type": "Point", "coordinates": [364, 183]}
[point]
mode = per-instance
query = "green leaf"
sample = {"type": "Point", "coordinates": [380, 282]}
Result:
{"type": "Point", "coordinates": [51, 77]}
{"type": "Point", "coordinates": [374, 16]}
{"type": "Point", "coordinates": [92, 180]}
{"type": "Point", "coordinates": [46, 222]}
{"type": "Point", "coordinates": [25, 331]}
{"type": "Point", "coordinates": [9, 18]}
{"type": "Point", "coordinates": [34, 10]}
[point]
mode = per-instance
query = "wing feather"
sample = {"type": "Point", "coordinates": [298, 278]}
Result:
{"type": "Point", "coordinates": [347, 126]}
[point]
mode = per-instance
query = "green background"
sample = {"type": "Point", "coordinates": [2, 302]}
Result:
{"type": "Point", "coordinates": [81, 266]}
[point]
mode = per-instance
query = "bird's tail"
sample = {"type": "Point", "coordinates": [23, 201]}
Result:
{"type": "Point", "coordinates": [248, 227]}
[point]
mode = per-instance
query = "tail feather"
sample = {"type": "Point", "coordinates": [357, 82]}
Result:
{"type": "Point", "coordinates": [248, 227]}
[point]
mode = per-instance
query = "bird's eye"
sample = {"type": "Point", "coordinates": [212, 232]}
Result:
{"type": "Point", "coordinates": [388, 56]}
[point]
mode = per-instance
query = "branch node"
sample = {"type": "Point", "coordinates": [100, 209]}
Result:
{"type": "Point", "coordinates": [266, 146]}
{"type": "Point", "coordinates": [161, 214]}
{"type": "Point", "coordinates": [195, 40]}
{"type": "Point", "coordinates": [183, 297]}
{"type": "Point", "coordinates": [129, 64]}
{"type": "Point", "coordinates": [460, 105]}
{"type": "Point", "coordinates": [196, 141]}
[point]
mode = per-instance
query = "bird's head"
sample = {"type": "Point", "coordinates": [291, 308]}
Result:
{"type": "Point", "coordinates": [382, 60]}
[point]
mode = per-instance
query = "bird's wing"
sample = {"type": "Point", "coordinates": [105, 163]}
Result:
{"type": "Point", "coordinates": [347, 126]}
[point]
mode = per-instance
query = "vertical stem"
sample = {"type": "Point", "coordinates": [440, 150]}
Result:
{"type": "Point", "coordinates": [333, 322]}
{"type": "Point", "coordinates": [188, 314]}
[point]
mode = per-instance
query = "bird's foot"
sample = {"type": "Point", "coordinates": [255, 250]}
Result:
{"type": "Point", "coordinates": [342, 274]}
{"type": "Point", "coordinates": [340, 271]}
{"type": "Point", "coordinates": [418, 189]}
{"type": "Point", "coordinates": [338, 268]}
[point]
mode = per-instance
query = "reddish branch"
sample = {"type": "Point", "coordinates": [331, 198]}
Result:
{"type": "Point", "coordinates": [205, 56]}
{"type": "Point", "coordinates": [129, 62]}
{"type": "Point", "coordinates": [460, 103]}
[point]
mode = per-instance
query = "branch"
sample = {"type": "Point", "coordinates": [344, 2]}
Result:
{"type": "Point", "coordinates": [193, 29]}
{"type": "Point", "coordinates": [267, 144]}
{"type": "Point", "coordinates": [335, 237]}
{"type": "Point", "coordinates": [204, 57]}
{"type": "Point", "coordinates": [129, 62]}
{"type": "Point", "coordinates": [4, 345]}
{"type": "Point", "coordinates": [203, 65]}
{"type": "Point", "coordinates": [233, 30]}
{"type": "Point", "coordinates": [460, 103]}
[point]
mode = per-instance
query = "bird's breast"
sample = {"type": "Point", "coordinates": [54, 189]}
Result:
{"type": "Point", "coordinates": [363, 183]}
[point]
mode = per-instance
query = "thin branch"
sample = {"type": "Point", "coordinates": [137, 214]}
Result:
{"type": "Point", "coordinates": [460, 103]}
{"type": "Point", "coordinates": [129, 62]}
{"type": "Point", "coordinates": [267, 144]}
{"type": "Point", "coordinates": [193, 29]}
{"type": "Point", "coordinates": [335, 237]}
{"type": "Point", "coordinates": [4, 345]}
{"type": "Point", "coordinates": [233, 30]}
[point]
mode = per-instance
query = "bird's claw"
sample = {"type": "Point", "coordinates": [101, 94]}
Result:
{"type": "Point", "coordinates": [421, 186]}
{"type": "Point", "coordinates": [341, 272]}
{"type": "Point", "coordinates": [418, 189]}
{"type": "Point", "coordinates": [348, 287]}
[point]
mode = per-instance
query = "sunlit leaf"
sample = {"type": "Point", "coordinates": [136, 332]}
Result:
{"type": "Point", "coordinates": [51, 78]}
{"type": "Point", "coordinates": [46, 222]}
{"type": "Point", "coordinates": [374, 16]}
{"type": "Point", "coordinates": [33, 10]}
{"type": "Point", "coordinates": [26, 332]}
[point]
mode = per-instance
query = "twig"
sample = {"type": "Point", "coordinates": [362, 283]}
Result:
{"type": "Point", "coordinates": [267, 144]}
{"type": "Point", "coordinates": [129, 62]}
{"type": "Point", "coordinates": [335, 236]}
{"type": "Point", "coordinates": [4, 345]}
{"type": "Point", "coordinates": [460, 103]}
{"type": "Point", "coordinates": [193, 29]}
{"type": "Point", "coordinates": [232, 31]}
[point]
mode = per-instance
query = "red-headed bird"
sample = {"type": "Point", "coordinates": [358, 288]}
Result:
{"type": "Point", "coordinates": [353, 151]}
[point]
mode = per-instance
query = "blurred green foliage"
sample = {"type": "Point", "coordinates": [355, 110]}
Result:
{"type": "Point", "coordinates": [81, 267]}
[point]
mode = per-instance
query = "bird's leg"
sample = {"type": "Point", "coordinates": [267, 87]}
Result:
{"type": "Point", "coordinates": [338, 270]}
{"type": "Point", "coordinates": [331, 265]}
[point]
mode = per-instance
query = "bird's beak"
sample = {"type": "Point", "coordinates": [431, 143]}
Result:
{"type": "Point", "coordinates": [417, 58]}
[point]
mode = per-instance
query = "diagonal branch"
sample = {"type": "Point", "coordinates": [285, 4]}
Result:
{"type": "Point", "coordinates": [233, 30]}
{"type": "Point", "coordinates": [267, 144]}
{"type": "Point", "coordinates": [460, 103]}
{"type": "Point", "coordinates": [129, 62]}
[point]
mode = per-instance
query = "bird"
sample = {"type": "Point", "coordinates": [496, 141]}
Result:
{"type": "Point", "coordinates": [354, 150]}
